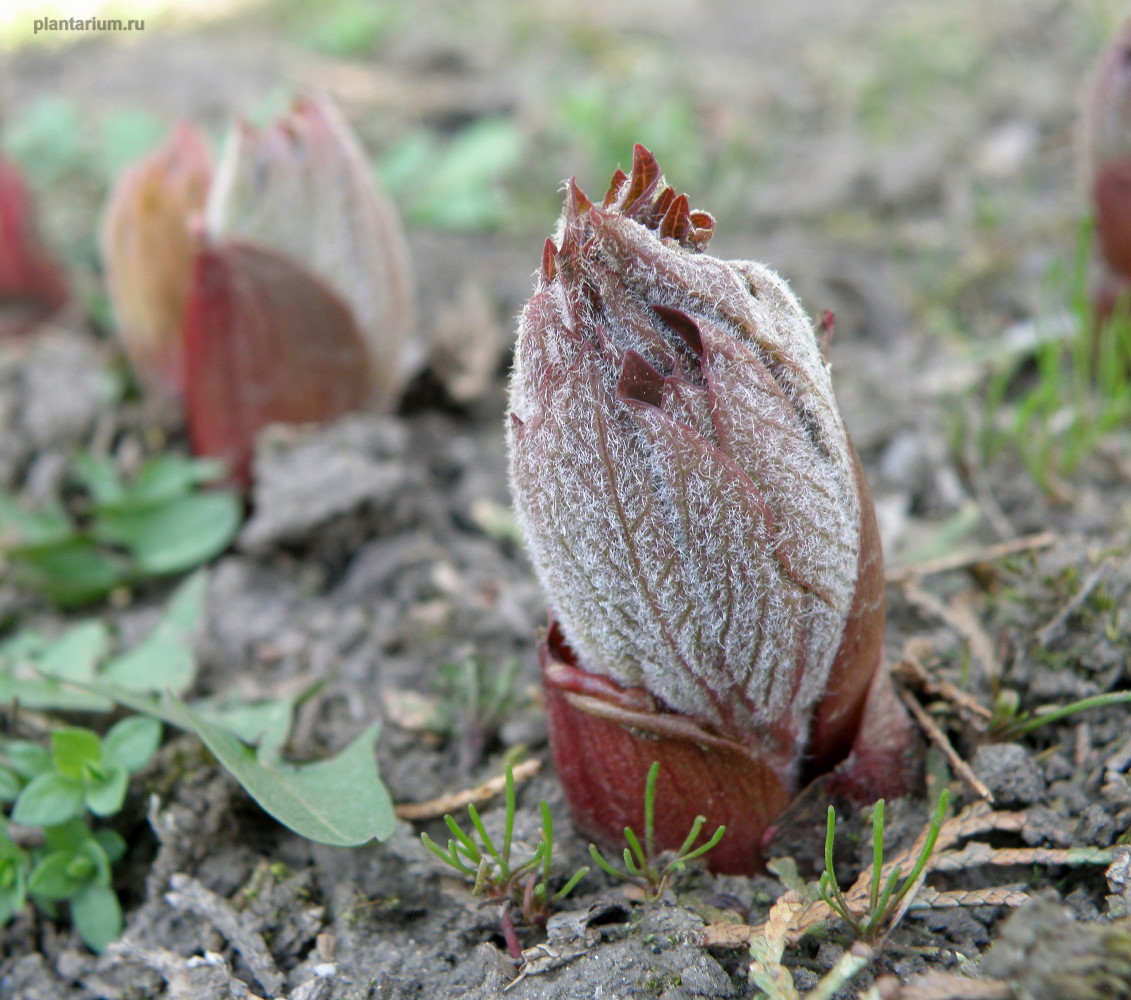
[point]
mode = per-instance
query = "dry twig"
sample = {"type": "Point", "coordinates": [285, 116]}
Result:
{"type": "Point", "coordinates": [964, 560]}
{"type": "Point", "coordinates": [435, 808]}
{"type": "Point", "coordinates": [942, 741]}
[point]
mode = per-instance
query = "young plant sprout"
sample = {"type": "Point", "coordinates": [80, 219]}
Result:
{"type": "Point", "coordinates": [273, 289]}
{"type": "Point", "coordinates": [525, 886]}
{"type": "Point", "coordinates": [702, 529]}
{"type": "Point", "coordinates": [646, 867]}
{"type": "Point", "coordinates": [884, 897]}
{"type": "Point", "coordinates": [32, 283]}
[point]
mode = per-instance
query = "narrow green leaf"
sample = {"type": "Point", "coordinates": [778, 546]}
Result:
{"type": "Point", "coordinates": [340, 801]}
{"type": "Point", "coordinates": [155, 664]}
{"type": "Point", "coordinates": [164, 660]}
{"type": "Point", "coordinates": [263, 724]}
{"type": "Point", "coordinates": [25, 527]}
{"type": "Point", "coordinates": [165, 477]}
{"type": "Point", "coordinates": [50, 799]}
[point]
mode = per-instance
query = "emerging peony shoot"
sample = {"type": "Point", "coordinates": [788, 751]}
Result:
{"type": "Point", "coordinates": [150, 235]}
{"type": "Point", "coordinates": [1107, 162]}
{"type": "Point", "coordinates": [303, 188]}
{"type": "Point", "coordinates": [32, 285]}
{"type": "Point", "coordinates": [276, 290]}
{"type": "Point", "coordinates": [702, 529]}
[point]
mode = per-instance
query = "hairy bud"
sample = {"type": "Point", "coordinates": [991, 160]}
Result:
{"type": "Point", "coordinates": [150, 233]}
{"type": "Point", "coordinates": [699, 521]}
{"type": "Point", "coordinates": [302, 187]}
{"type": "Point", "coordinates": [32, 285]}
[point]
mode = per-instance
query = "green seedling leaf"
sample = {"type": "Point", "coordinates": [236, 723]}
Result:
{"type": "Point", "coordinates": [112, 844]}
{"type": "Point", "coordinates": [62, 873]}
{"type": "Point", "coordinates": [166, 477]}
{"type": "Point", "coordinates": [131, 742]}
{"type": "Point", "coordinates": [105, 789]}
{"type": "Point", "coordinates": [262, 724]}
{"type": "Point", "coordinates": [69, 571]}
{"type": "Point", "coordinates": [163, 660]}
{"type": "Point", "coordinates": [26, 757]}
{"type": "Point", "coordinates": [13, 878]}
{"type": "Point", "coordinates": [98, 475]}
{"type": "Point", "coordinates": [175, 536]}
{"type": "Point", "coordinates": [69, 836]}
{"type": "Point", "coordinates": [23, 527]}
{"type": "Point", "coordinates": [97, 915]}
{"type": "Point", "coordinates": [340, 801]}
{"type": "Point", "coordinates": [48, 800]}
{"type": "Point", "coordinates": [10, 785]}
{"type": "Point", "coordinates": [157, 663]}
{"type": "Point", "coordinates": [73, 749]}
{"type": "Point", "coordinates": [27, 657]}
{"type": "Point", "coordinates": [75, 655]}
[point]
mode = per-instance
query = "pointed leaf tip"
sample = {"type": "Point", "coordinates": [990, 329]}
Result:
{"type": "Point", "coordinates": [549, 260]}
{"type": "Point", "coordinates": [639, 382]}
{"type": "Point", "coordinates": [683, 326]}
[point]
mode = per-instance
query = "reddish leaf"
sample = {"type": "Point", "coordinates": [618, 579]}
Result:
{"type": "Point", "coordinates": [32, 285]}
{"type": "Point", "coordinates": [265, 342]}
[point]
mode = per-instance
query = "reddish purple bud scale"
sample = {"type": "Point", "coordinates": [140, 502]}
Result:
{"type": "Point", "coordinates": [698, 518]}
{"type": "Point", "coordinates": [250, 359]}
{"type": "Point", "coordinates": [32, 285]}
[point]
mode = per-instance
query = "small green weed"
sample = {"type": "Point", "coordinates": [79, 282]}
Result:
{"type": "Point", "coordinates": [53, 790]}
{"type": "Point", "coordinates": [884, 896]}
{"type": "Point", "coordinates": [458, 184]}
{"type": "Point", "coordinates": [118, 532]}
{"type": "Point", "coordinates": [340, 800]}
{"type": "Point", "coordinates": [1081, 391]}
{"type": "Point", "coordinates": [525, 885]}
{"type": "Point", "coordinates": [643, 864]}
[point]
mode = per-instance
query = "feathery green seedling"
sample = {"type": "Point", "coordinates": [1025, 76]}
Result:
{"type": "Point", "coordinates": [643, 865]}
{"type": "Point", "coordinates": [884, 897]}
{"type": "Point", "coordinates": [525, 885]}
